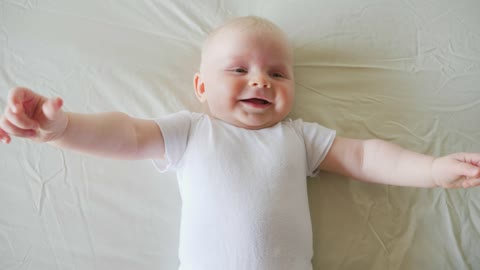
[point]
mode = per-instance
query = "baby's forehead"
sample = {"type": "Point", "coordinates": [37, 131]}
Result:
{"type": "Point", "coordinates": [248, 24]}
{"type": "Point", "coordinates": [244, 27]}
{"type": "Point", "coordinates": [263, 28]}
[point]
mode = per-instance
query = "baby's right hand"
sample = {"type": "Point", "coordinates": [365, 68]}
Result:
{"type": "Point", "coordinates": [30, 115]}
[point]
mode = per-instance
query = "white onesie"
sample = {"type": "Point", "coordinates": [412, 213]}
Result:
{"type": "Point", "coordinates": [244, 192]}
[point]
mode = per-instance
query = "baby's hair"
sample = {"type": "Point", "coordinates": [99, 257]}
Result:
{"type": "Point", "coordinates": [242, 24]}
{"type": "Point", "coordinates": [248, 22]}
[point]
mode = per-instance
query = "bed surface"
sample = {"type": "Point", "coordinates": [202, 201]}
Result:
{"type": "Point", "coordinates": [404, 71]}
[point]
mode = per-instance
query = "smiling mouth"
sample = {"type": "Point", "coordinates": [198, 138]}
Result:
{"type": "Point", "coordinates": [257, 101]}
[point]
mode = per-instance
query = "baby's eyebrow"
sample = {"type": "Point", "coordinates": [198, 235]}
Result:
{"type": "Point", "coordinates": [236, 61]}
{"type": "Point", "coordinates": [281, 67]}
{"type": "Point", "coordinates": [238, 58]}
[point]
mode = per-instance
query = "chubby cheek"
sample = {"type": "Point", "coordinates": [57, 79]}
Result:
{"type": "Point", "coordinates": [285, 100]}
{"type": "Point", "coordinates": [219, 103]}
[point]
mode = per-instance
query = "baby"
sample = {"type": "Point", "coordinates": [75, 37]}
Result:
{"type": "Point", "coordinates": [242, 168]}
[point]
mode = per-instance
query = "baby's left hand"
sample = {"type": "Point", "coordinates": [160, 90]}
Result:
{"type": "Point", "coordinates": [457, 170]}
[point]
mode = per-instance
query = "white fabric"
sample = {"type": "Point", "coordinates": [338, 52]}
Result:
{"type": "Point", "coordinates": [244, 192]}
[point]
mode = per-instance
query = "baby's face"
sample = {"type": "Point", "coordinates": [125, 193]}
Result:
{"type": "Point", "coordinates": [247, 78]}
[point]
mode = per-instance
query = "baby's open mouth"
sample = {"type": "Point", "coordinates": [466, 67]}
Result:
{"type": "Point", "coordinates": [256, 101]}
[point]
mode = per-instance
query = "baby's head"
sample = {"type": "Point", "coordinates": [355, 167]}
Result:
{"type": "Point", "coordinates": [246, 75]}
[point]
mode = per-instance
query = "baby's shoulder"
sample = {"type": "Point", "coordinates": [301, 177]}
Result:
{"type": "Point", "coordinates": [292, 122]}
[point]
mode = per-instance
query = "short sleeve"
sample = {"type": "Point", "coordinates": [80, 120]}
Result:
{"type": "Point", "coordinates": [175, 130]}
{"type": "Point", "coordinates": [318, 140]}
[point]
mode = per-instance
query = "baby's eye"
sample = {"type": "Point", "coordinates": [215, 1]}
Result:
{"type": "Point", "coordinates": [277, 75]}
{"type": "Point", "coordinates": [239, 70]}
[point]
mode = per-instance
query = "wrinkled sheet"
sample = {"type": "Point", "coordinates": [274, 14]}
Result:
{"type": "Point", "coordinates": [401, 70]}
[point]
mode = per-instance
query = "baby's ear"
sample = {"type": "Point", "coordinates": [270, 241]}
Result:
{"type": "Point", "coordinates": [199, 87]}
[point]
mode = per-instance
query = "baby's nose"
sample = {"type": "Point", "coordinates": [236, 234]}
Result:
{"type": "Point", "coordinates": [260, 82]}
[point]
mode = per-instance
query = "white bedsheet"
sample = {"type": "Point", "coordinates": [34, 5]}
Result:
{"type": "Point", "coordinates": [405, 71]}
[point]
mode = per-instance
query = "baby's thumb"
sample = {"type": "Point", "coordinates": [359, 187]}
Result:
{"type": "Point", "coordinates": [52, 108]}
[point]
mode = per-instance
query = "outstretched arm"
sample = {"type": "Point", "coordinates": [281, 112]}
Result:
{"type": "Point", "coordinates": [115, 135]}
{"type": "Point", "coordinates": [112, 135]}
{"type": "Point", "coordinates": [381, 162]}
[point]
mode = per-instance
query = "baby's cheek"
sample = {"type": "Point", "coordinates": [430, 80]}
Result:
{"type": "Point", "coordinates": [286, 97]}
{"type": "Point", "coordinates": [221, 106]}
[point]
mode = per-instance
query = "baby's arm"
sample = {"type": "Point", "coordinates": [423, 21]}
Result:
{"type": "Point", "coordinates": [114, 134]}
{"type": "Point", "coordinates": [381, 162]}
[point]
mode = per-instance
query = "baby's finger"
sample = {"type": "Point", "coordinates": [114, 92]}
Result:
{"type": "Point", "coordinates": [467, 169]}
{"type": "Point", "coordinates": [11, 129]}
{"type": "Point", "coordinates": [51, 108]}
{"type": "Point", "coordinates": [17, 96]}
{"type": "Point", "coordinates": [4, 137]}
{"type": "Point", "coordinates": [20, 120]}
{"type": "Point", "coordinates": [471, 183]}
{"type": "Point", "coordinates": [471, 158]}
